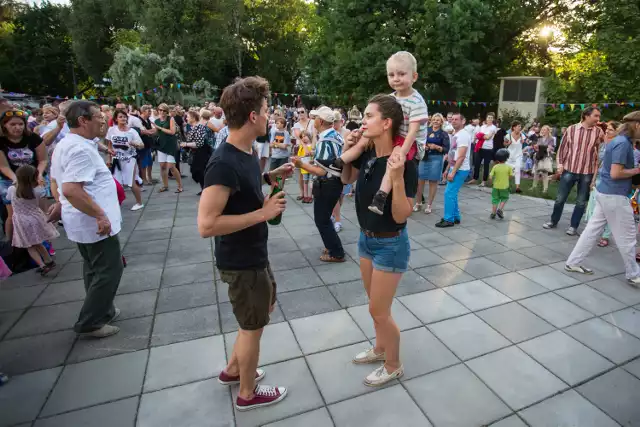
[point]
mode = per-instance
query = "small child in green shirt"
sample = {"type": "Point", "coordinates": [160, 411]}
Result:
{"type": "Point", "coordinates": [500, 175]}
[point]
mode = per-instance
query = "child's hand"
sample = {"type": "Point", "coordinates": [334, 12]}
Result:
{"type": "Point", "coordinates": [399, 151]}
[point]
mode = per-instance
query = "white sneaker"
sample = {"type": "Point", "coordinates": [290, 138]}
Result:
{"type": "Point", "coordinates": [338, 227]}
{"type": "Point", "coordinates": [105, 331]}
{"type": "Point", "coordinates": [137, 207]}
{"type": "Point", "coordinates": [368, 356]}
{"type": "Point", "coordinates": [417, 207]}
{"type": "Point", "coordinates": [635, 282]}
{"type": "Point", "coordinates": [579, 269]}
{"type": "Point", "coordinates": [380, 376]}
{"type": "Point", "coordinates": [427, 210]}
{"type": "Point", "coordinates": [571, 231]}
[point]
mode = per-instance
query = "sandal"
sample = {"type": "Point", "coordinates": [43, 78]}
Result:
{"type": "Point", "coordinates": [163, 189]}
{"type": "Point", "coordinates": [603, 243]}
{"type": "Point", "coordinates": [179, 190]}
{"type": "Point", "coordinates": [328, 258]}
{"type": "Point", "coordinates": [299, 198]}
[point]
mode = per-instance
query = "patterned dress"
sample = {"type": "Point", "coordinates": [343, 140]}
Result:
{"type": "Point", "coordinates": [30, 226]}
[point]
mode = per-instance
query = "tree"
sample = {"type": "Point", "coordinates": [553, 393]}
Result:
{"type": "Point", "coordinates": [36, 54]}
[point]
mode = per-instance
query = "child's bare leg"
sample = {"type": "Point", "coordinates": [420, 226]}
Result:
{"type": "Point", "coordinates": [535, 180]}
{"type": "Point", "coordinates": [35, 255]}
{"type": "Point", "coordinates": [501, 207]}
{"type": "Point", "coordinates": [494, 209]}
{"type": "Point", "coordinates": [545, 181]}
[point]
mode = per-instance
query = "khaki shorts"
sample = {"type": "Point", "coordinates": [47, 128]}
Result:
{"type": "Point", "coordinates": [251, 293]}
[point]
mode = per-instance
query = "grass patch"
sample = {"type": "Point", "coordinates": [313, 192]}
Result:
{"type": "Point", "coordinates": [526, 183]}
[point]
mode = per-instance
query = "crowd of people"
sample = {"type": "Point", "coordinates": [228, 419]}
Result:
{"type": "Point", "coordinates": [83, 155]}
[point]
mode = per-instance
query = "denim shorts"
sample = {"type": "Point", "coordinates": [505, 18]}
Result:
{"type": "Point", "coordinates": [387, 254]}
{"type": "Point", "coordinates": [431, 169]}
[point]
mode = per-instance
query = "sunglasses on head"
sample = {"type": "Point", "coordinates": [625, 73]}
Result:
{"type": "Point", "coordinates": [16, 113]}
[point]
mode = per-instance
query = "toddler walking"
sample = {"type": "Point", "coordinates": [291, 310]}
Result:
{"type": "Point", "coordinates": [543, 166]}
{"type": "Point", "coordinates": [500, 175]}
{"type": "Point", "coordinates": [30, 226]}
{"type": "Point", "coordinates": [402, 73]}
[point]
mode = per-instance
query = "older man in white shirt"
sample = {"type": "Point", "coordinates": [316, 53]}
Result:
{"type": "Point", "coordinates": [90, 210]}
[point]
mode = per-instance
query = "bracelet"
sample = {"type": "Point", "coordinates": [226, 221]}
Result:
{"type": "Point", "coordinates": [266, 178]}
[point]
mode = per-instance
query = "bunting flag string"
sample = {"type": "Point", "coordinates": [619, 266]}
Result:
{"type": "Point", "coordinates": [582, 106]}
{"type": "Point", "coordinates": [459, 103]}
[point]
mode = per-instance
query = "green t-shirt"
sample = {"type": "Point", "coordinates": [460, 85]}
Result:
{"type": "Point", "coordinates": [167, 144]}
{"type": "Point", "coordinates": [500, 175]}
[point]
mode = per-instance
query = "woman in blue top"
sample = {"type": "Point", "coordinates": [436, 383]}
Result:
{"type": "Point", "coordinates": [612, 204]}
{"type": "Point", "coordinates": [431, 165]}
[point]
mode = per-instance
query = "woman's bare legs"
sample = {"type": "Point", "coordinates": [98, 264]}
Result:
{"type": "Point", "coordinates": [420, 192]}
{"type": "Point", "coordinates": [164, 174]}
{"type": "Point", "coordinates": [381, 292]}
{"type": "Point", "coordinates": [176, 174]}
{"type": "Point", "coordinates": [433, 190]}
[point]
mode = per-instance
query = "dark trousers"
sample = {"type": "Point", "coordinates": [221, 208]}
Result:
{"type": "Point", "coordinates": [327, 193]}
{"type": "Point", "coordinates": [567, 181]}
{"type": "Point", "coordinates": [482, 156]}
{"type": "Point", "coordinates": [102, 270]}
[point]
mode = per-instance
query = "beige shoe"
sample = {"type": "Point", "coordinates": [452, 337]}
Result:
{"type": "Point", "coordinates": [368, 356]}
{"type": "Point", "coordinates": [380, 376]}
{"type": "Point", "coordinates": [105, 331]}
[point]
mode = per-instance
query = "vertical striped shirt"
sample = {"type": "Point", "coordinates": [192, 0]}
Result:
{"type": "Point", "coordinates": [415, 110]}
{"type": "Point", "coordinates": [579, 149]}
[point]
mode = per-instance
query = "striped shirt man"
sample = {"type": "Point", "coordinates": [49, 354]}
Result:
{"type": "Point", "coordinates": [415, 110]}
{"type": "Point", "coordinates": [329, 148]}
{"type": "Point", "coordinates": [579, 149]}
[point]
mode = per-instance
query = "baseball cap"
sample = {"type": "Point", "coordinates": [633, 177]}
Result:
{"type": "Point", "coordinates": [324, 112]}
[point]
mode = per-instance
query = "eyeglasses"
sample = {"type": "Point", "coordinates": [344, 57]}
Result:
{"type": "Point", "coordinates": [16, 113]}
{"type": "Point", "coordinates": [301, 112]}
{"type": "Point", "coordinates": [369, 167]}
{"type": "Point", "coordinates": [163, 111]}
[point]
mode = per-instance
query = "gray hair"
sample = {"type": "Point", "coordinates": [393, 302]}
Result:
{"type": "Point", "coordinates": [77, 109]}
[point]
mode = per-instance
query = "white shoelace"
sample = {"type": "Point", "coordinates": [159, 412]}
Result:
{"type": "Point", "coordinates": [265, 390]}
{"type": "Point", "coordinates": [380, 371]}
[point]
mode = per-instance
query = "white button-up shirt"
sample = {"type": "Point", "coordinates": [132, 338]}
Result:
{"type": "Point", "coordinates": [76, 159]}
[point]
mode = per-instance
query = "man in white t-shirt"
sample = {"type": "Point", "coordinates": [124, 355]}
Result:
{"type": "Point", "coordinates": [485, 154]}
{"type": "Point", "coordinates": [217, 119]}
{"type": "Point", "coordinates": [459, 167]}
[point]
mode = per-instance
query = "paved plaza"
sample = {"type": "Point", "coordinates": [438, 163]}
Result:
{"type": "Point", "coordinates": [494, 332]}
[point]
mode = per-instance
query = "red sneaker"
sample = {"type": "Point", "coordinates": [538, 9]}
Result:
{"type": "Point", "coordinates": [264, 395]}
{"type": "Point", "coordinates": [226, 379]}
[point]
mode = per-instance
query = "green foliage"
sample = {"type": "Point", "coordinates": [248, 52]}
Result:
{"type": "Point", "coordinates": [509, 116]}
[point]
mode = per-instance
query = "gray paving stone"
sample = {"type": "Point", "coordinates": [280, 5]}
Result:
{"type": "Point", "coordinates": [476, 295]}
{"type": "Point", "coordinates": [304, 395]}
{"type": "Point", "coordinates": [318, 418]}
{"type": "Point", "coordinates": [137, 304]}
{"type": "Point", "coordinates": [515, 286]}
{"type": "Point", "coordinates": [515, 377]}
{"type": "Point", "coordinates": [155, 224]}
{"type": "Point", "coordinates": [542, 254]}
{"type": "Point", "coordinates": [483, 247]}
{"type": "Point", "coordinates": [187, 296]}
{"type": "Point", "coordinates": [338, 273]}
{"type": "Point", "coordinates": [63, 256]}
{"type": "Point", "coordinates": [431, 240]}
{"type": "Point", "coordinates": [579, 277]}
{"type": "Point", "coordinates": [627, 320]}
{"type": "Point", "coordinates": [512, 421]}
{"type": "Point", "coordinates": [7, 320]}
{"type": "Point", "coordinates": [606, 339]}
{"type": "Point", "coordinates": [133, 336]}
{"type": "Point", "coordinates": [184, 275]}
{"type": "Point", "coordinates": [337, 363]}
{"type": "Point", "coordinates": [442, 394]}
{"type": "Point", "coordinates": [40, 320]}
{"type": "Point", "coordinates": [633, 367]}
{"type": "Point", "coordinates": [185, 231]}
{"type": "Point", "coordinates": [558, 352]}
{"type": "Point", "coordinates": [307, 302]}
{"type": "Point", "coordinates": [590, 299]}
{"type": "Point", "coordinates": [188, 257]}
{"type": "Point", "coordinates": [424, 258]}
{"type": "Point", "coordinates": [293, 280]}
{"type": "Point", "coordinates": [184, 362]}
{"type": "Point", "coordinates": [403, 318]}
{"type": "Point", "coordinates": [480, 267]}
{"type": "Point", "coordinates": [23, 297]}
{"type": "Point", "coordinates": [617, 289]}
{"type": "Point", "coordinates": [548, 277]}
{"type": "Point", "coordinates": [139, 248]}
{"type": "Point", "coordinates": [186, 220]}
{"type": "Point", "coordinates": [382, 408]}
{"type": "Point", "coordinates": [287, 261]}
{"type": "Point", "coordinates": [185, 325]}
{"type": "Point", "coordinates": [350, 294]}
{"type": "Point", "coordinates": [444, 275]}
{"type": "Point", "coordinates": [22, 399]}
{"type": "Point", "coordinates": [121, 413]}
{"type": "Point", "coordinates": [453, 252]}
{"type": "Point", "coordinates": [468, 336]}
{"type": "Point", "coordinates": [204, 403]}
{"type": "Point", "coordinates": [138, 281]}
{"type": "Point", "coordinates": [34, 353]}
{"type": "Point", "coordinates": [412, 283]}
{"type": "Point", "coordinates": [62, 292]}
{"type": "Point", "coordinates": [421, 352]}
{"type": "Point", "coordinates": [513, 260]}
{"type": "Point", "coordinates": [433, 306]}
{"type": "Point", "coordinates": [326, 331]}
{"type": "Point", "coordinates": [555, 310]}
{"type": "Point", "coordinates": [617, 393]}
{"type": "Point", "coordinates": [566, 409]}
{"type": "Point", "coordinates": [460, 235]}
{"type": "Point", "coordinates": [145, 262]}
{"type": "Point", "coordinates": [230, 324]}
{"type": "Point", "coordinates": [277, 344]}
{"type": "Point", "coordinates": [100, 380]}
{"type": "Point", "coordinates": [515, 322]}
{"type": "Point", "coordinates": [189, 244]}
{"type": "Point", "coordinates": [513, 241]}
{"type": "Point", "coordinates": [68, 272]}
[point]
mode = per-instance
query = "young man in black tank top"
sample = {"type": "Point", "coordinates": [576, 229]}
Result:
{"type": "Point", "coordinates": [233, 207]}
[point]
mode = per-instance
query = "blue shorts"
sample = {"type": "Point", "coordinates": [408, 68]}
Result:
{"type": "Point", "coordinates": [387, 254]}
{"type": "Point", "coordinates": [347, 189]}
{"type": "Point", "coordinates": [146, 159]}
{"type": "Point", "coordinates": [431, 169]}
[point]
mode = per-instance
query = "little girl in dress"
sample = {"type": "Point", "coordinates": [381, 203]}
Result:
{"type": "Point", "coordinates": [30, 226]}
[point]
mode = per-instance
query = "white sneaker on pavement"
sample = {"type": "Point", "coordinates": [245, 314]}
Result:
{"type": "Point", "coordinates": [571, 231]}
{"type": "Point", "coordinates": [137, 207]}
{"type": "Point", "coordinates": [105, 331]}
{"type": "Point", "coordinates": [417, 207]}
{"type": "Point", "coordinates": [635, 282]}
{"type": "Point", "coordinates": [380, 376]}
{"type": "Point", "coordinates": [368, 356]}
{"type": "Point", "coordinates": [337, 226]}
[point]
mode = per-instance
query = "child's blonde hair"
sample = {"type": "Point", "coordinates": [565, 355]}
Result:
{"type": "Point", "coordinates": [406, 58]}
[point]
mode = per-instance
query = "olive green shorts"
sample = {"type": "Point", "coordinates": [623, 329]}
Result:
{"type": "Point", "coordinates": [251, 293]}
